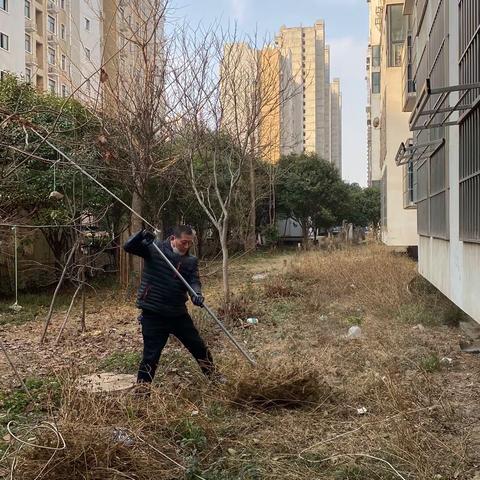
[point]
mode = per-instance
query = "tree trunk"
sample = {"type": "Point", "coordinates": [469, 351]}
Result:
{"type": "Point", "coordinates": [252, 220]}
{"type": "Point", "coordinates": [224, 246]}
{"type": "Point", "coordinates": [305, 235]}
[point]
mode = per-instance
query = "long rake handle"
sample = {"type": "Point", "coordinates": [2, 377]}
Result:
{"type": "Point", "coordinates": [179, 275]}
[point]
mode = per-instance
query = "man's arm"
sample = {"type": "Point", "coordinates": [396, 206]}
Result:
{"type": "Point", "coordinates": [194, 281]}
{"type": "Point", "coordinates": [138, 243]}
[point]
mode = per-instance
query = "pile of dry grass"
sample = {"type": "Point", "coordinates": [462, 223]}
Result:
{"type": "Point", "coordinates": [280, 385]}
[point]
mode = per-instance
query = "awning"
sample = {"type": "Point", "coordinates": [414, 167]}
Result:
{"type": "Point", "coordinates": [411, 152]}
{"type": "Point", "coordinates": [439, 115]}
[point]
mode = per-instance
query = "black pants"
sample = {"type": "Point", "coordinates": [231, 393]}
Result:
{"type": "Point", "coordinates": [156, 328]}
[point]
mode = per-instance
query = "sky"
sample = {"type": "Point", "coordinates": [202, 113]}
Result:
{"type": "Point", "coordinates": [346, 24]}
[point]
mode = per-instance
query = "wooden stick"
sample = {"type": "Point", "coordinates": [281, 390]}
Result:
{"type": "Point", "coordinates": [68, 314]}
{"type": "Point", "coordinates": [57, 289]}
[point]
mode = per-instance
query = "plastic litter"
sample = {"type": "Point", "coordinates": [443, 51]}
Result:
{"type": "Point", "coordinates": [120, 435]}
{"type": "Point", "coordinates": [252, 321]}
{"type": "Point", "coordinates": [361, 411]}
{"type": "Point", "coordinates": [354, 332]}
{"type": "Point", "coordinates": [55, 195]}
{"type": "Point", "coordinates": [259, 276]}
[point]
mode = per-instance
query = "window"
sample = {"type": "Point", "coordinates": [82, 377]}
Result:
{"type": "Point", "coordinates": [408, 185]}
{"type": "Point", "coordinates": [62, 31]}
{"type": "Point", "coordinates": [3, 74]}
{"type": "Point", "coordinates": [87, 53]}
{"type": "Point", "coordinates": [3, 41]}
{"type": "Point", "coordinates": [28, 43]}
{"type": "Point", "coordinates": [64, 91]}
{"type": "Point", "coordinates": [62, 4]}
{"type": "Point", "coordinates": [51, 56]}
{"type": "Point", "coordinates": [469, 157]}
{"type": "Point", "coordinates": [64, 62]}
{"type": "Point", "coordinates": [28, 75]}
{"type": "Point", "coordinates": [376, 52]}
{"type": "Point", "coordinates": [87, 24]}
{"type": "Point", "coordinates": [51, 24]}
{"type": "Point", "coordinates": [375, 82]}
{"type": "Point", "coordinates": [4, 5]}
{"type": "Point", "coordinates": [28, 9]}
{"type": "Point", "coordinates": [87, 84]}
{"type": "Point", "coordinates": [52, 86]}
{"type": "Point", "coordinates": [396, 34]}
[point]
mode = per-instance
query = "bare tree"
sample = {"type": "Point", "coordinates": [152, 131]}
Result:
{"type": "Point", "coordinates": [227, 89]}
{"type": "Point", "coordinates": [136, 108]}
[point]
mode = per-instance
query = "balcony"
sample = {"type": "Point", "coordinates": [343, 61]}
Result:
{"type": "Point", "coordinates": [52, 39]}
{"type": "Point", "coordinates": [30, 26]}
{"type": "Point", "coordinates": [408, 83]}
{"type": "Point", "coordinates": [52, 70]}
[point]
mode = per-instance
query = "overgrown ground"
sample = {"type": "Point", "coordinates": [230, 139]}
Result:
{"type": "Point", "coordinates": [296, 416]}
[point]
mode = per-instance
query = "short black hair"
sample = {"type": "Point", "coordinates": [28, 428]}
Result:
{"type": "Point", "coordinates": [182, 229]}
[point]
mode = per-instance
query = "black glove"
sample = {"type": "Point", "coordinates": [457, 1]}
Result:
{"type": "Point", "coordinates": [148, 236]}
{"type": "Point", "coordinates": [198, 300]}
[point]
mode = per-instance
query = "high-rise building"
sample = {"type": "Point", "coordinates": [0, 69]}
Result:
{"type": "Point", "coordinates": [65, 46]}
{"type": "Point", "coordinates": [306, 120]}
{"type": "Point", "coordinates": [300, 110]}
{"type": "Point", "coordinates": [387, 122]}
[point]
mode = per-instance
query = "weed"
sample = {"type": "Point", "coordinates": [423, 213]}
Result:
{"type": "Point", "coordinates": [121, 362]}
{"type": "Point", "coordinates": [431, 363]}
{"type": "Point", "coordinates": [354, 320]}
{"type": "Point", "coordinates": [191, 435]}
{"type": "Point", "coordinates": [416, 313]}
{"type": "Point", "coordinates": [17, 402]}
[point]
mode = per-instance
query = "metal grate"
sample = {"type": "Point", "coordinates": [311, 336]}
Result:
{"type": "Point", "coordinates": [469, 71]}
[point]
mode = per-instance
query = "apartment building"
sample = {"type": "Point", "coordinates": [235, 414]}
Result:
{"type": "Point", "coordinates": [299, 109]}
{"type": "Point", "coordinates": [443, 144]}
{"type": "Point", "coordinates": [388, 123]}
{"type": "Point", "coordinates": [65, 46]}
{"type": "Point", "coordinates": [306, 119]}
{"type": "Point", "coordinates": [12, 38]}
{"type": "Point", "coordinates": [373, 93]}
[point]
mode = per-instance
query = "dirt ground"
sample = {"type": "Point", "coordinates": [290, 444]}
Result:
{"type": "Point", "coordinates": [399, 401]}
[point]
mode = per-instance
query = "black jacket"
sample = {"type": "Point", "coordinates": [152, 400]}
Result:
{"type": "Point", "coordinates": [160, 289]}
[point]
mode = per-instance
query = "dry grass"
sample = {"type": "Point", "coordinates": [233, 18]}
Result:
{"type": "Point", "coordinates": [296, 415]}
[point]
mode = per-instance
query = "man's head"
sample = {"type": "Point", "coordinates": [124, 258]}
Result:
{"type": "Point", "coordinates": [182, 238]}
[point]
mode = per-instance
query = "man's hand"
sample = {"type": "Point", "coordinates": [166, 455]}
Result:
{"type": "Point", "coordinates": [148, 236]}
{"type": "Point", "coordinates": [198, 300]}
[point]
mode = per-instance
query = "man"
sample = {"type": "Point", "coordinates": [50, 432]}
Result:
{"type": "Point", "coordinates": [162, 297]}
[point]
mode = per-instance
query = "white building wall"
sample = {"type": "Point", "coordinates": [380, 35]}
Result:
{"type": "Point", "coordinates": [451, 265]}
{"type": "Point", "coordinates": [12, 23]}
